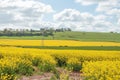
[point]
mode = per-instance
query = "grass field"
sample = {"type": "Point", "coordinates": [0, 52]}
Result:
{"type": "Point", "coordinates": [105, 48]}
{"type": "Point", "coordinates": [61, 44]}
{"type": "Point", "coordinates": [81, 36]}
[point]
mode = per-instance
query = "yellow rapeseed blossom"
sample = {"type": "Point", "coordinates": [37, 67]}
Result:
{"type": "Point", "coordinates": [54, 43]}
{"type": "Point", "coordinates": [18, 60]}
{"type": "Point", "coordinates": [101, 70]}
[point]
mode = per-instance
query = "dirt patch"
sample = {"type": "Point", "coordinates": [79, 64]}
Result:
{"type": "Point", "coordinates": [48, 75]}
{"type": "Point", "coordinates": [75, 76]}
{"type": "Point", "coordinates": [45, 76]}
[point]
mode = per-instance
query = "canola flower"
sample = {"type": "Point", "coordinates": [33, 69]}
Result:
{"type": "Point", "coordinates": [101, 70]}
{"type": "Point", "coordinates": [10, 66]}
{"type": "Point", "coordinates": [54, 43]}
{"type": "Point", "coordinates": [7, 77]}
{"type": "Point", "coordinates": [21, 61]}
{"type": "Point", "coordinates": [74, 64]}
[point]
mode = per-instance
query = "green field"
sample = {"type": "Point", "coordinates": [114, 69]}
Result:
{"type": "Point", "coordinates": [105, 48]}
{"type": "Point", "coordinates": [79, 36]}
{"type": "Point", "coordinates": [82, 36]}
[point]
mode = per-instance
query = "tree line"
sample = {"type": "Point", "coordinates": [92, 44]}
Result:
{"type": "Point", "coordinates": [31, 32]}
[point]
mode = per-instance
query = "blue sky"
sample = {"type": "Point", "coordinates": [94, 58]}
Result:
{"type": "Point", "coordinates": [60, 5]}
{"type": "Point", "coordinates": [79, 15]}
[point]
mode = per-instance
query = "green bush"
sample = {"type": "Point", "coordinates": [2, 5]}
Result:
{"type": "Point", "coordinates": [25, 68]}
{"type": "Point", "coordinates": [7, 77]}
{"type": "Point", "coordinates": [74, 64]}
{"type": "Point", "coordinates": [61, 59]}
{"type": "Point", "coordinates": [1, 56]}
{"type": "Point", "coordinates": [46, 67]}
{"type": "Point", "coordinates": [36, 61]}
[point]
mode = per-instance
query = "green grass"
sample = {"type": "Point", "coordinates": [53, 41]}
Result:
{"type": "Point", "coordinates": [105, 48]}
{"type": "Point", "coordinates": [82, 36]}
{"type": "Point", "coordinates": [89, 36]}
{"type": "Point", "coordinates": [26, 37]}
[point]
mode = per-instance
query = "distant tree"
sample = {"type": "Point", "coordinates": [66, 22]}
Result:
{"type": "Point", "coordinates": [26, 32]}
{"type": "Point", "coordinates": [69, 29]}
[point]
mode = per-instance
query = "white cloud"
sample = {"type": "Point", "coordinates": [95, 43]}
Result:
{"type": "Point", "coordinates": [114, 11]}
{"type": "Point", "coordinates": [3, 26]}
{"type": "Point", "coordinates": [25, 4]}
{"type": "Point", "coordinates": [75, 15]}
{"type": "Point", "coordinates": [108, 5]}
{"type": "Point", "coordinates": [110, 8]}
{"type": "Point", "coordinates": [102, 5]}
{"type": "Point", "coordinates": [22, 12]}
{"type": "Point", "coordinates": [100, 17]}
{"type": "Point", "coordinates": [118, 22]}
{"type": "Point", "coordinates": [90, 2]}
{"type": "Point", "coordinates": [68, 15]}
{"type": "Point", "coordinates": [83, 21]}
{"type": "Point", "coordinates": [30, 14]}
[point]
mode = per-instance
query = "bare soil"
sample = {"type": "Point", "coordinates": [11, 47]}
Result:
{"type": "Point", "coordinates": [47, 76]}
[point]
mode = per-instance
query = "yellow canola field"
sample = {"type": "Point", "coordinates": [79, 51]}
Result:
{"type": "Point", "coordinates": [96, 64]}
{"type": "Point", "coordinates": [54, 43]}
{"type": "Point", "coordinates": [66, 54]}
{"type": "Point", "coordinates": [101, 70]}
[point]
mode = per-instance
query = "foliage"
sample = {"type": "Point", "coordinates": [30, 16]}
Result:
{"type": "Point", "coordinates": [10, 66]}
{"type": "Point", "coordinates": [64, 75]}
{"type": "Point", "coordinates": [101, 70]}
{"type": "Point", "coordinates": [30, 32]}
{"type": "Point", "coordinates": [74, 64]}
{"type": "Point", "coordinates": [73, 35]}
{"type": "Point", "coordinates": [20, 61]}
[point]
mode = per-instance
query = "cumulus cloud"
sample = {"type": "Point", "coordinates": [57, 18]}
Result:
{"type": "Point", "coordinates": [68, 15]}
{"type": "Point", "coordinates": [118, 22]}
{"type": "Point", "coordinates": [100, 17]}
{"type": "Point", "coordinates": [72, 15]}
{"type": "Point", "coordinates": [30, 14]}
{"type": "Point", "coordinates": [114, 11]}
{"type": "Point", "coordinates": [89, 2]}
{"type": "Point", "coordinates": [110, 8]}
{"type": "Point", "coordinates": [22, 12]}
{"type": "Point", "coordinates": [24, 5]}
{"type": "Point", "coordinates": [108, 5]}
{"type": "Point", "coordinates": [83, 21]}
{"type": "Point", "coordinates": [75, 15]}
{"type": "Point", "coordinates": [102, 5]}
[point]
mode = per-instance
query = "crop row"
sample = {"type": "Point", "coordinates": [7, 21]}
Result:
{"type": "Point", "coordinates": [21, 61]}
